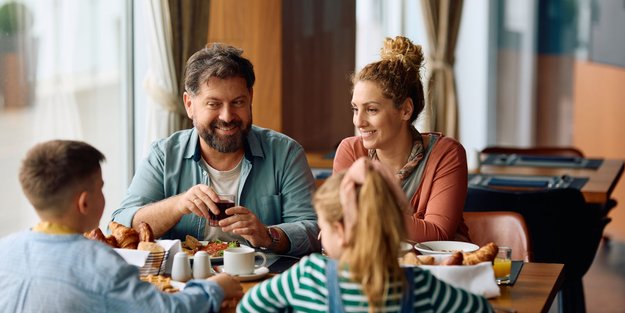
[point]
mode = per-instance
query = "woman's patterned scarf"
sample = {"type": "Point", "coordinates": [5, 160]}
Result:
{"type": "Point", "coordinates": [416, 155]}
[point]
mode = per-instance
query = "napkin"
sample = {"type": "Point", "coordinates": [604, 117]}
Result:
{"type": "Point", "coordinates": [173, 246]}
{"type": "Point", "coordinates": [139, 257]}
{"type": "Point", "coordinates": [478, 279]}
{"type": "Point", "coordinates": [133, 257]}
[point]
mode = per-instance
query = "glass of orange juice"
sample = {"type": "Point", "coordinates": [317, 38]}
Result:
{"type": "Point", "coordinates": [502, 265]}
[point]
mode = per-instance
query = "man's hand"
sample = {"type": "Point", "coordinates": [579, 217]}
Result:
{"type": "Point", "coordinates": [245, 223]}
{"type": "Point", "coordinates": [198, 200]}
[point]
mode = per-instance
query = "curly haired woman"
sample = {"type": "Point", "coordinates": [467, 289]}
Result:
{"type": "Point", "coordinates": [387, 98]}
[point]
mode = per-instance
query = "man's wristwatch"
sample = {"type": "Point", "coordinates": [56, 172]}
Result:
{"type": "Point", "coordinates": [274, 234]}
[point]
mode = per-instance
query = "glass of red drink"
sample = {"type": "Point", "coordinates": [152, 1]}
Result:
{"type": "Point", "coordinates": [225, 201]}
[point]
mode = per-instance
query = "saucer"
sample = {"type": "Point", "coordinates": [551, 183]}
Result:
{"type": "Point", "coordinates": [258, 273]}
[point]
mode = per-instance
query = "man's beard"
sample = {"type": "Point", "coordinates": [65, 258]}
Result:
{"type": "Point", "coordinates": [223, 144]}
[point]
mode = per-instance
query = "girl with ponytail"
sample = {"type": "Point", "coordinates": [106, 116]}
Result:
{"type": "Point", "coordinates": [361, 216]}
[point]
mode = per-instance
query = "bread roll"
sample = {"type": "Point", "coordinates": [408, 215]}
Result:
{"type": "Point", "coordinates": [126, 237]}
{"type": "Point", "coordinates": [150, 246]}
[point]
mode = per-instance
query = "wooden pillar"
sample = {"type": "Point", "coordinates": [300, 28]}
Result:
{"type": "Point", "coordinates": [303, 53]}
{"type": "Point", "coordinates": [598, 124]}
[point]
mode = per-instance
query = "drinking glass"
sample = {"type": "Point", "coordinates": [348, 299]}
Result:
{"type": "Point", "coordinates": [225, 201]}
{"type": "Point", "coordinates": [502, 265]}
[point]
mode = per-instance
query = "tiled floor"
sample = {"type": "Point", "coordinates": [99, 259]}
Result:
{"type": "Point", "coordinates": [604, 284]}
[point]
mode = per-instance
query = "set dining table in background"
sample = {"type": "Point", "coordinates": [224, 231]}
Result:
{"type": "Point", "coordinates": [538, 283]}
{"type": "Point", "coordinates": [597, 177]}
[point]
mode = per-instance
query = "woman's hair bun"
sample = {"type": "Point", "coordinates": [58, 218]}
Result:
{"type": "Point", "coordinates": [402, 49]}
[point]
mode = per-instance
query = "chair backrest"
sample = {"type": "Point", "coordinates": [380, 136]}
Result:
{"type": "Point", "coordinates": [545, 150]}
{"type": "Point", "coordinates": [504, 228]}
{"type": "Point", "coordinates": [562, 228]}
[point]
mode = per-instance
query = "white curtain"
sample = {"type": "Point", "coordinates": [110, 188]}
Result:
{"type": "Point", "coordinates": [56, 114]}
{"type": "Point", "coordinates": [164, 114]}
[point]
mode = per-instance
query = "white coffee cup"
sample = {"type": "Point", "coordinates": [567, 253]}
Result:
{"type": "Point", "coordinates": [201, 265]}
{"type": "Point", "coordinates": [181, 268]}
{"type": "Point", "coordinates": [241, 260]}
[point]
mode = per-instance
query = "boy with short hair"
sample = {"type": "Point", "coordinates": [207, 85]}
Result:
{"type": "Point", "coordinates": [53, 268]}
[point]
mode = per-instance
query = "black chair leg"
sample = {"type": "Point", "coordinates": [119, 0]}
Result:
{"type": "Point", "coordinates": [571, 298]}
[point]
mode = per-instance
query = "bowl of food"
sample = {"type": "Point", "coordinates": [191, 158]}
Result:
{"type": "Point", "coordinates": [444, 247]}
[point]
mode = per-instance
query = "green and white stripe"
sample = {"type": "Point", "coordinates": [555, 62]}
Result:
{"type": "Point", "coordinates": [303, 288]}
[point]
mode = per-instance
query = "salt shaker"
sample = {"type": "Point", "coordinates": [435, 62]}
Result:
{"type": "Point", "coordinates": [181, 268]}
{"type": "Point", "coordinates": [201, 265]}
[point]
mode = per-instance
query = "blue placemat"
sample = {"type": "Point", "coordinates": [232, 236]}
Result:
{"type": "Point", "coordinates": [283, 264]}
{"type": "Point", "coordinates": [511, 182]}
{"type": "Point", "coordinates": [545, 158]}
{"type": "Point", "coordinates": [541, 161]}
{"type": "Point", "coordinates": [529, 182]}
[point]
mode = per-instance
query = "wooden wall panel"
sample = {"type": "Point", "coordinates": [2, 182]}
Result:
{"type": "Point", "coordinates": [255, 26]}
{"type": "Point", "coordinates": [554, 108]}
{"type": "Point", "coordinates": [318, 57]}
{"type": "Point", "coordinates": [598, 127]}
{"type": "Point", "coordinates": [303, 53]}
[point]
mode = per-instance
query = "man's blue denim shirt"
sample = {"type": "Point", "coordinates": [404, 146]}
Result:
{"type": "Point", "coordinates": [276, 184]}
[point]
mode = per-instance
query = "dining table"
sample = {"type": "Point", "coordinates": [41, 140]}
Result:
{"type": "Point", "coordinates": [533, 291]}
{"type": "Point", "coordinates": [599, 182]}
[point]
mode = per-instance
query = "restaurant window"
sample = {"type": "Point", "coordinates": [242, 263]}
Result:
{"type": "Point", "coordinates": [539, 47]}
{"type": "Point", "coordinates": [64, 74]}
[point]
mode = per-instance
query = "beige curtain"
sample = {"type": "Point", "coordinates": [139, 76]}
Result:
{"type": "Point", "coordinates": [176, 29]}
{"type": "Point", "coordinates": [442, 21]}
{"type": "Point", "coordinates": [189, 24]}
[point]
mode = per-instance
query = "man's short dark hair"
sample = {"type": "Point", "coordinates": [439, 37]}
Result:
{"type": "Point", "coordinates": [52, 169]}
{"type": "Point", "coordinates": [217, 60]}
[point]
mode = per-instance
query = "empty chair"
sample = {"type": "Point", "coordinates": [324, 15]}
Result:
{"type": "Point", "coordinates": [562, 229]}
{"type": "Point", "coordinates": [504, 228]}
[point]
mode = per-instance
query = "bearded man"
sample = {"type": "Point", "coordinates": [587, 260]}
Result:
{"type": "Point", "coordinates": [175, 189]}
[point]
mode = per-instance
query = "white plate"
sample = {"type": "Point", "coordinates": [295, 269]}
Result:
{"type": "Point", "coordinates": [258, 273]}
{"type": "Point", "coordinates": [445, 247]}
{"type": "Point", "coordinates": [214, 258]}
{"type": "Point", "coordinates": [405, 246]}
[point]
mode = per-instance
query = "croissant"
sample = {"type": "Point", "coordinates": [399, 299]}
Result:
{"type": "Point", "coordinates": [411, 258]}
{"type": "Point", "coordinates": [95, 234]}
{"type": "Point", "coordinates": [126, 237]}
{"type": "Point", "coordinates": [455, 258]}
{"type": "Point", "coordinates": [486, 253]}
{"type": "Point", "coordinates": [111, 241]}
{"type": "Point", "coordinates": [145, 232]}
